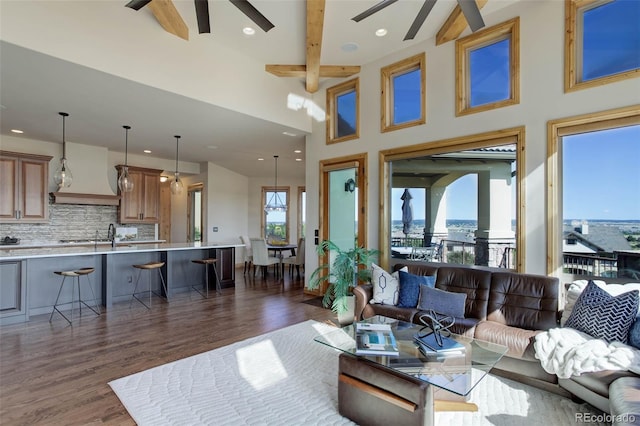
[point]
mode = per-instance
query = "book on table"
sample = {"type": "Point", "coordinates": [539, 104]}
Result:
{"type": "Point", "coordinates": [375, 339]}
{"type": "Point", "coordinates": [441, 346]}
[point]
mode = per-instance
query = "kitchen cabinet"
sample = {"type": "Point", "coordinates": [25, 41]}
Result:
{"type": "Point", "coordinates": [24, 187]}
{"type": "Point", "coordinates": [12, 292]}
{"type": "Point", "coordinates": [226, 266]}
{"type": "Point", "coordinates": [142, 204]}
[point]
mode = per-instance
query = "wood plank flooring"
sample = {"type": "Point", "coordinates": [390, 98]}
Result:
{"type": "Point", "coordinates": [56, 374]}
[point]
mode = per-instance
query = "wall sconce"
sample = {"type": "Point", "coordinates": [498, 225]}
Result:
{"type": "Point", "coordinates": [163, 179]}
{"type": "Point", "coordinates": [350, 185]}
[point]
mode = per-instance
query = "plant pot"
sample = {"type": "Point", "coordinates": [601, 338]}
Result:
{"type": "Point", "coordinates": [346, 318]}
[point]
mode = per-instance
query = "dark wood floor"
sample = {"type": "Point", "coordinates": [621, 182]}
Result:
{"type": "Point", "coordinates": [56, 374]}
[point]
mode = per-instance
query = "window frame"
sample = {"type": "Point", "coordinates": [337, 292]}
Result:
{"type": "Point", "coordinates": [387, 73]}
{"type": "Point", "coordinates": [572, 11]}
{"type": "Point", "coordinates": [508, 29]}
{"type": "Point", "coordinates": [556, 130]}
{"type": "Point", "coordinates": [263, 222]}
{"type": "Point", "coordinates": [332, 95]}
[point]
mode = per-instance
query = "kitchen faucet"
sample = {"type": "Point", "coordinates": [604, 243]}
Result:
{"type": "Point", "coordinates": [111, 235]}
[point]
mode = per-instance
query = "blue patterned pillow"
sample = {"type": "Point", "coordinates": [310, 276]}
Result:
{"type": "Point", "coordinates": [409, 292]}
{"type": "Point", "coordinates": [604, 316]}
{"type": "Point", "coordinates": [634, 334]}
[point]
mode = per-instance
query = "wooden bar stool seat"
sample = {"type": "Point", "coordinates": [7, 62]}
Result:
{"type": "Point", "coordinates": [206, 263]}
{"type": "Point", "coordinates": [149, 266]}
{"type": "Point", "coordinates": [75, 275]}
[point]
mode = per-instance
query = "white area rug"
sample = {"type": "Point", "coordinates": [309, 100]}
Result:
{"type": "Point", "coordinates": [285, 378]}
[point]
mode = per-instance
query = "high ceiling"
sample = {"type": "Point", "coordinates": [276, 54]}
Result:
{"type": "Point", "coordinates": [35, 86]}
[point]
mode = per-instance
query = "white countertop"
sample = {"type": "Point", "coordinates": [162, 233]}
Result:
{"type": "Point", "coordinates": [76, 250]}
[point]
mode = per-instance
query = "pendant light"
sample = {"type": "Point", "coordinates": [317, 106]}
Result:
{"type": "Point", "coordinates": [176, 183]}
{"type": "Point", "coordinates": [63, 176]}
{"type": "Point", "coordinates": [275, 204]}
{"type": "Point", "coordinates": [125, 183]}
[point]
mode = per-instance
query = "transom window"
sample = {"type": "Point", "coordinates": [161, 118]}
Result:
{"type": "Point", "coordinates": [343, 105]}
{"type": "Point", "coordinates": [488, 69]}
{"type": "Point", "coordinates": [403, 93]}
{"type": "Point", "coordinates": [602, 43]}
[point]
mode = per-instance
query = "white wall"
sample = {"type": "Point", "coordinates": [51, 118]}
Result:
{"type": "Point", "coordinates": [542, 98]}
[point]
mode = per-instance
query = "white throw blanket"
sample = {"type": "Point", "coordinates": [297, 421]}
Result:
{"type": "Point", "coordinates": [567, 352]}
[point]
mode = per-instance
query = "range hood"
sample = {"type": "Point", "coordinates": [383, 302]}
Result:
{"type": "Point", "coordinates": [90, 184]}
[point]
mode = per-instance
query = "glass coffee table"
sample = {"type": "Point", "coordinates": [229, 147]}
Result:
{"type": "Point", "coordinates": [373, 381]}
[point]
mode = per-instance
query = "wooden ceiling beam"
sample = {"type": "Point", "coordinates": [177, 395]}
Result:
{"type": "Point", "coordinates": [315, 25]}
{"type": "Point", "coordinates": [300, 71]}
{"type": "Point", "coordinates": [454, 25]}
{"type": "Point", "coordinates": [169, 18]}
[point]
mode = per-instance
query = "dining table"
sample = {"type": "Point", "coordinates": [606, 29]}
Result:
{"type": "Point", "coordinates": [278, 249]}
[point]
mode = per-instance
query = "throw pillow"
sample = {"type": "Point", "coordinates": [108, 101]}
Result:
{"type": "Point", "coordinates": [634, 334]}
{"type": "Point", "coordinates": [442, 302]}
{"type": "Point", "coordinates": [604, 316]}
{"type": "Point", "coordinates": [385, 285]}
{"type": "Point", "coordinates": [409, 292]}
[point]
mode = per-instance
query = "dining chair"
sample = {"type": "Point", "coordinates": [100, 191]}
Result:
{"type": "Point", "coordinates": [261, 256]}
{"type": "Point", "coordinates": [296, 260]}
{"type": "Point", "coordinates": [248, 253]}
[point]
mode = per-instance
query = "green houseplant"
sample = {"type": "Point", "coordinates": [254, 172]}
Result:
{"type": "Point", "coordinates": [348, 268]}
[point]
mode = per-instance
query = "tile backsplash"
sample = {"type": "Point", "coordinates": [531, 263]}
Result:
{"type": "Point", "coordinates": [72, 222]}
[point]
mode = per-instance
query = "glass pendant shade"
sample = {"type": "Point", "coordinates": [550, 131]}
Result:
{"type": "Point", "coordinates": [176, 184]}
{"type": "Point", "coordinates": [125, 183]}
{"type": "Point", "coordinates": [63, 176]}
{"type": "Point", "coordinates": [275, 204]}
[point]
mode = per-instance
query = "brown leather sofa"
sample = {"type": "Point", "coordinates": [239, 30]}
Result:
{"type": "Point", "coordinates": [511, 308]}
{"type": "Point", "coordinates": [502, 307]}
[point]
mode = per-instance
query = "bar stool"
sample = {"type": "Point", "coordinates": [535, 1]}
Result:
{"type": "Point", "coordinates": [206, 263]}
{"type": "Point", "coordinates": [149, 266]}
{"type": "Point", "coordinates": [75, 274]}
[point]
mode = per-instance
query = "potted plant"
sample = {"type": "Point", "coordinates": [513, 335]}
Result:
{"type": "Point", "coordinates": [348, 268]}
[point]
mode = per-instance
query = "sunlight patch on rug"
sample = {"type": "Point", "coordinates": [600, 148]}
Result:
{"type": "Point", "coordinates": [252, 361]}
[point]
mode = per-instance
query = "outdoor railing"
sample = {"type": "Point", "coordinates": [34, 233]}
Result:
{"type": "Point", "coordinates": [590, 264]}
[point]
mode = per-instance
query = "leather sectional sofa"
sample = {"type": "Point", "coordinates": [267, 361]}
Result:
{"type": "Point", "coordinates": [508, 308]}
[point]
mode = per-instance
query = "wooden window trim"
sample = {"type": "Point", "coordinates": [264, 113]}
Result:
{"type": "Point", "coordinates": [301, 190]}
{"type": "Point", "coordinates": [263, 215]}
{"type": "Point", "coordinates": [386, 92]}
{"type": "Point", "coordinates": [556, 129]}
{"type": "Point", "coordinates": [332, 94]}
{"type": "Point", "coordinates": [509, 29]}
{"type": "Point", "coordinates": [572, 9]}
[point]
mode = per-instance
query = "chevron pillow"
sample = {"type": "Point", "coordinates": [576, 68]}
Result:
{"type": "Point", "coordinates": [601, 315]}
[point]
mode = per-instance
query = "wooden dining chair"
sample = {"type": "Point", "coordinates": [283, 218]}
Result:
{"type": "Point", "coordinates": [297, 260]}
{"type": "Point", "coordinates": [261, 256]}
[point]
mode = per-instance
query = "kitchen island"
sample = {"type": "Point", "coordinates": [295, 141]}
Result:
{"type": "Point", "coordinates": [29, 287]}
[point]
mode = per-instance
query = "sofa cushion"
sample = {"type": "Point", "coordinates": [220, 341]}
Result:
{"type": "Point", "coordinates": [385, 286]}
{"type": "Point", "coordinates": [518, 340]}
{"type": "Point", "coordinates": [442, 302]}
{"type": "Point", "coordinates": [390, 311]}
{"type": "Point", "coordinates": [409, 293]}
{"type": "Point", "coordinates": [624, 397]}
{"type": "Point", "coordinates": [474, 282]}
{"type": "Point", "coordinates": [604, 316]}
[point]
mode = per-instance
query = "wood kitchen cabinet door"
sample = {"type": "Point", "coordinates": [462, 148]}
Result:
{"type": "Point", "coordinates": [25, 186]}
{"type": "Point", "coordinates": [142, 204]}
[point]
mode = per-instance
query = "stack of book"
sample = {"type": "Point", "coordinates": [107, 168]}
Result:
{"type": "Point", "coordinates": [440, 347]}
{"type": "Point", "coordinates": [375, 339]}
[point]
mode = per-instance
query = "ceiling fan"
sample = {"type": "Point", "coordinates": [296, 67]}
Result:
{"type": "Point", "coordinates": [202, 13]}
{"type": "Point", "coordinates": [469, 9]}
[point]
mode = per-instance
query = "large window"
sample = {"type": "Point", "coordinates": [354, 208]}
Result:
{"type": "Point", "coordinates": [275, 224]}
{"type": "Point", "coordinates": [343, 107]}
{"type": "Point", "coordinates": [594, 201]}
{"type": "Point", "coordinates": [457, 202]}
{"type": "Point", "coordinates": [403, 93]}
{"type": "Point", "coordinates": [488, 69]}
{"type": "Point", "coordinates": [602, 42]}
{"type": "Point", "coordinates": [302, 212]}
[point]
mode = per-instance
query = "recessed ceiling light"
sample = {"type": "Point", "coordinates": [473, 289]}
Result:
{"type": "Point", "coordinates": [289, 134]}
{"type": "Point", "coordinates": [147, 151]}
{"type": "Point", "coordinates": [260, 159]}
{"type": "Point", "coordinates": [248, 31]}
{"type": "Point", "coordinates": [297, 151]}
{"type": "Point", "coordinates": [349, 47]}
{"type": "Point", "coordinates": [381, 32]}
{"type": "Point", "coordinates": [298, 159]}
{"type": "Point", "coordinates": [17, 131]}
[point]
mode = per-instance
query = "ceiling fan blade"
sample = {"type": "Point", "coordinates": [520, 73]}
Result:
{"type": "Point", "coordinates": [472, 14]}
{"type": "Point", "coordinates": [137, 4]}
{"type": "Point", "coordinates": [420, 18]}
{"type": "Point", "coordinates": [253, 14]}
{"type": "Point", "coordinates": [202, 14]}
{"type": "Point", "coordinates": [373, 9]}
